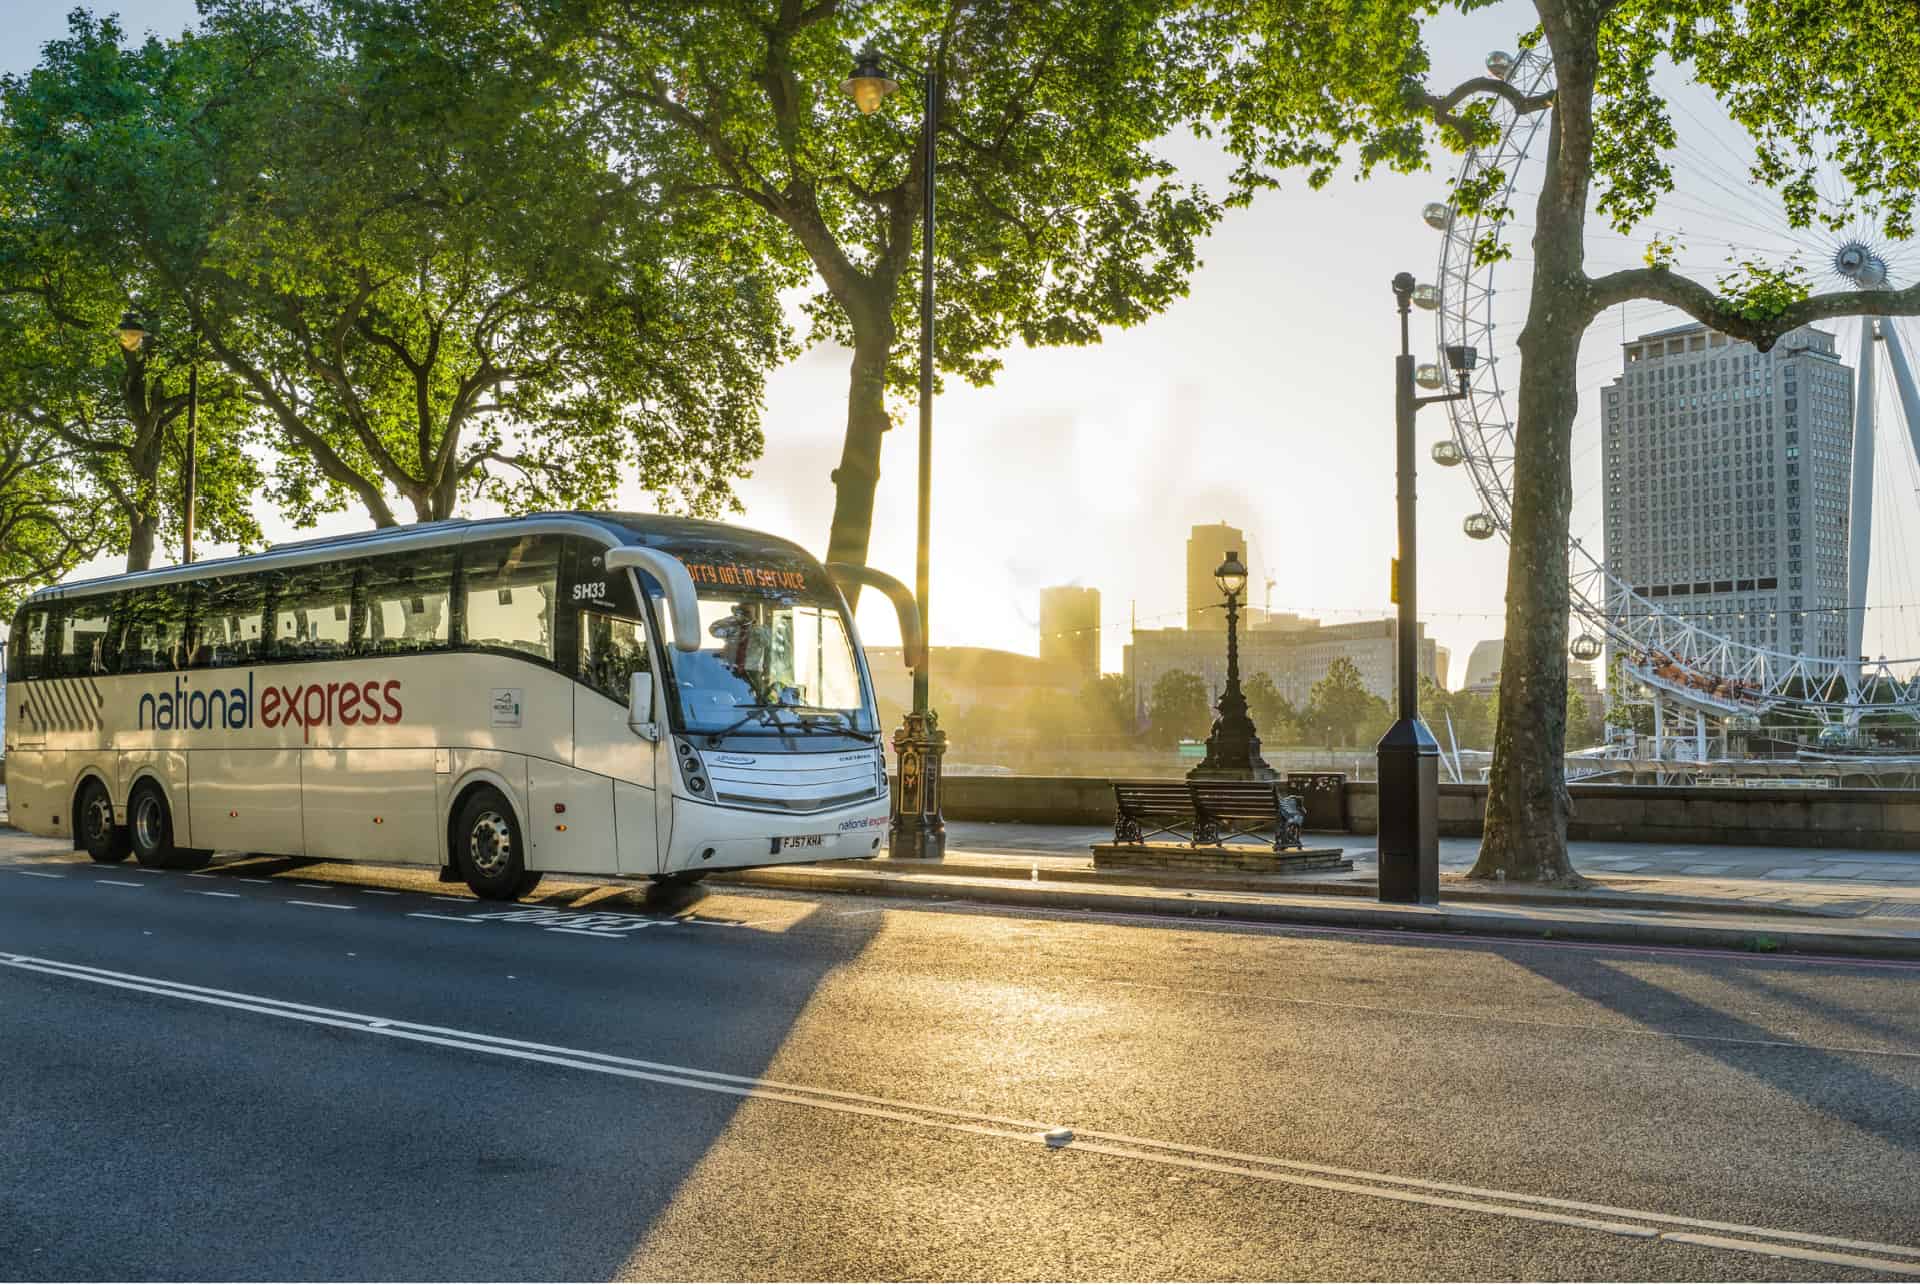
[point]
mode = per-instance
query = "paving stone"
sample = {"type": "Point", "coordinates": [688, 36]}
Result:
{"type": "Point", "coordinates": [1796, 872]}
{"type": "Point", "coordinates": [1704, 870]}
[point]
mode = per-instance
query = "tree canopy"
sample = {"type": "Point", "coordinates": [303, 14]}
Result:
{"type": "Point", "coordinates": [1316, 84]}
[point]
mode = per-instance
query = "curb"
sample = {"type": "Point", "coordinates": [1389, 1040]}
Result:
{"type": "Point", "coordinates": [1284, 885]}
{"type": "Point", "coordinates": [1432, 919]}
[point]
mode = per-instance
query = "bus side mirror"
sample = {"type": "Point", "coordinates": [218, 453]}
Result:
{"type": "Point", "coordinates": [640, 710]}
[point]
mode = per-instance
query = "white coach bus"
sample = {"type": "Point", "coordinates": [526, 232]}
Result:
{"type": "Point", "coordinates": [595, 693]}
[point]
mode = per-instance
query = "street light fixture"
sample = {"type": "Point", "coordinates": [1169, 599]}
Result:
{"type": "Point", "coordinates": [919, 831]}
{"type": "Point", "coordinates": [1409, 757]}
{"type": "Point", "coordinates": [1233, 746]}
{"type": "Point", "coordinates": [132, 333]}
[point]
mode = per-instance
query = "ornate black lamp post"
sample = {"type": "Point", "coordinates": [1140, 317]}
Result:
{"type": "Point", "coordinates": [1233, 747]}
{"type": "Point", "coordinates": [919, 831]}
{"type": "Point", "coordinates": [133, 338]}
{"type": "Point", "coordinates": [1409, 757]}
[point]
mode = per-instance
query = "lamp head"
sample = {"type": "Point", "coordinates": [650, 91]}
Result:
{"type": "Point", "coordinates": [132, 333]}
{"type": "Point", "coordinates": [1461, 358]}
{"type": "Point", "coordinates": [1231, 575]}
{"type": "Point", "coordinates": [869, 82]}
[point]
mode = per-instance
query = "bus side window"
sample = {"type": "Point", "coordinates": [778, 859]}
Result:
{"type": "Point", "coordinates": [612, 649]}
{"type": "Point", "coordinates": [27, 646]}
{"type": "Point", "coordinates": [156, 634]}
{"type": "Point", "coordinates": [313, 613]}
{"type": "Point", "coordinates": [508, 593]}
{"type": "Point", "coordinates": [229, 621]}
{"type": "Point", "coordinates": [409, 602]}
{"type": "Point", "coordinates": [83, 637]}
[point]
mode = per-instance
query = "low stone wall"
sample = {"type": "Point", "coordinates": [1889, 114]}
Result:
{"type": "Point", "coordinates": [1794, 818]}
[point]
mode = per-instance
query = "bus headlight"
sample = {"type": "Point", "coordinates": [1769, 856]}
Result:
{"type": "Point", "coordinates": [693, 770]}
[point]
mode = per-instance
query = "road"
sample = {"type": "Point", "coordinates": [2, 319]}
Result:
{"type": "Point", "coordinates": [309, 1071]}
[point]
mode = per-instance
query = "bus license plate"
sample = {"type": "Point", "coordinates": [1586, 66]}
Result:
{"type": "Point", "coordinates": [803, 841]}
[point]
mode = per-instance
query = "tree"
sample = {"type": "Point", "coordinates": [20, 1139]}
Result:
{"type": "Point", "coordinates": [407, 245]}
{"type": "Point", "coordinates": [1056, 217]}
{"type": "Point", "coordinates": [1318, 80]}
{"type": "Point", "coordinates": [1108, 700]}
{"type": "Point", "coordinates": [115, 417]}
{"type": "Point", "coordinates": [1178, 708]}
{"type": "Point", "coordinates": [1341, 707]}
{"type": "Point", "coordinates": [1274, 717]}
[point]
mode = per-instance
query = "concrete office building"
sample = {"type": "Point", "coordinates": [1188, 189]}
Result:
{"type": "Point", "coordinates": [1295, 658]}
{"type": "Point", "coordinates": [1207, 546]}
{"type": "Point", "coordinates": [1727, 480]}
{"type": "Point", "coordinates": [1070, 628]}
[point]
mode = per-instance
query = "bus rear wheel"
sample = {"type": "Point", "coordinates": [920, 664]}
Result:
{"type": "Point", "coordinates": [150, 830]}
{"type": "Point", "coordinates": [488, 849]}
{"type": "Point", "coordinates": [104, 840]}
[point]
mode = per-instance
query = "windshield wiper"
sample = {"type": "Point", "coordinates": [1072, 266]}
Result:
{"type": "Point", "coordinates": [766, 713]}
{"type": "Point", "coordinates": [811, 721]}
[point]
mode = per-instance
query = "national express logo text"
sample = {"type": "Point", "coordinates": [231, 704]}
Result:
{"type": "Point", "coordinates": [307, 706]}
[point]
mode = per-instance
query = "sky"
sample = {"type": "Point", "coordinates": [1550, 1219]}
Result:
{"type": "Point", "coordinates": [1264, 399]}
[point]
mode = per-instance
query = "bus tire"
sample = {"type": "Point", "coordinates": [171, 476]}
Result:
{"type": "Point", "coordinates": [488, 848]}
{"type": "Point", "coordinates": [678, 879]}
{"type": "Point", "coordinates": [150, 827]}
{"type": "Point", "coordinates": [94, 826]}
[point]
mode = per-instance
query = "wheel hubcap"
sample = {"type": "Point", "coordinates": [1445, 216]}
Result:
{"type": "Point", "coordinates": [146, 822]}
{"type": "Point", "coordinates": [490, 845]}
{"type": "Point", "coordinates": [99, 817]}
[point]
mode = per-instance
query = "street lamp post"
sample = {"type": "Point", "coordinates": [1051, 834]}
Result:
{"type": "Point", "coordinates": [919, 831]}
{"type": "Point", "coordinates": [1233, 746]}
{"type": "Point", "coordinates": [133, 338]}
{"type": "Point", "coordinates": [1408, 756]}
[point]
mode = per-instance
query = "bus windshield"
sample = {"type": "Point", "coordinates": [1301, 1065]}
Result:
{"type": "Point", "coordinates": [770, 666]}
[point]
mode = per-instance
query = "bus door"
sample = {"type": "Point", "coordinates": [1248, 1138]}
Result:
{"type": "Point", "coordinates": [608, 641]}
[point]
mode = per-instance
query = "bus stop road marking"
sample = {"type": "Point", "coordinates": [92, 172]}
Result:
{"type": "Point", "coordinates": [202, 892]}
{"type": "Point", "coordinates": [40, 874]}
{"type": "Point", "coordinates": [445, 919]}
{"type": "Point", "coordinates": [462, 900]}
{"type": "Point", "coordinates": [321, 905]}
{"type": "Point", "coordinates": [592, 932]}
{"type": "Point", "coordinates": [323, 887]}
{"type": "Point", "coordinates": [377, 892]}
{"type": "Point", "coordinates": [121, 883]}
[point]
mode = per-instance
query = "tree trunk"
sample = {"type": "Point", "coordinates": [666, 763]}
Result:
{"type": "Point", "coordinates": [1526, 823]}
{"type": "Point", "coordinates": [859, 472]}
{"type": "Point", "coordinates": [142, 532]}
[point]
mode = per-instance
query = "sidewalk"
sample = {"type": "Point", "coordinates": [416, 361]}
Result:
{"type": "Point", "coordinates": [1766, 899]}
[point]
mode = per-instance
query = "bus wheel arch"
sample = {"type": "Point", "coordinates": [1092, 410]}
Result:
{"type": "Point", "coordinates": [94, 826]}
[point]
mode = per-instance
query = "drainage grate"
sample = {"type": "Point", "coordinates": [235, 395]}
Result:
{"type": "Point", "coordinates": [1899, 909]}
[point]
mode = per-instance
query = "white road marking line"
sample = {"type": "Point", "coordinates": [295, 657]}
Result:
{"type": "Point", "coordinates": [589, 932]}
{"type": "Point", "coordinates": [245, 879]}
{"type": "Point", "coordinates": [377, 892]}
{"type": "Point", "coordinates": [1407, 1190]}
{"type": "Point", "coordinates": [321, 905]}
{"type": "Point", "coordinates": [323, 887]}
{"type": "Point", "coordinates": [202, 892]}
{"type": "Point", "coordinates": [121, 883]}
{"type": "Point", "coordinates": [445, 919]}
{"type": "Point", "coordinates": [196, 875]}
{"type": "Point", "coordinates": [437, 897]}
{"type": "Point", "coordinates": [40, 874]}
{"type": "Point", "coordinates": [1638, 1032]}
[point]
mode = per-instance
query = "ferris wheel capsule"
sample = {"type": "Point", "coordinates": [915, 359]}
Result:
{"type": "Point", "coordinates": [1446, 453]}
{"type": "Point", "coordinates": [1585, 648]}
{"type": "Point", "coordinates": [1428, 375]}
{"type": "Point", "coordinates": [1478, 526]}
{"type": "Point", "coordinates": [1499, 63]}
{"type": "Point", "coordinates": [1426, 296]}
{"type": "Point", "coordinates": [1437, 215]}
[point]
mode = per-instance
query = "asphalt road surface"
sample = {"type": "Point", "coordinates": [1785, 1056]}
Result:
{"type": "Point", "coordinates": [284, 1070]}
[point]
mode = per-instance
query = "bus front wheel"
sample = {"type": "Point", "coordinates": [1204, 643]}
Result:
{"type": "Point", "coordinates": [105, 841]}
{"type": "Point", "coordinates": [488, 848]}
{"type": "Point", "coordinates": [150, 830]}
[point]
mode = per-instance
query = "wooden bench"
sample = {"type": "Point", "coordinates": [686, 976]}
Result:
{"type": "Point", "coordinates": [1206, 813]}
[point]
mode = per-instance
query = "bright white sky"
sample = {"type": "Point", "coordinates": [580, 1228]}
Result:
{"type": "Point", "coordinates": [1264, 400]}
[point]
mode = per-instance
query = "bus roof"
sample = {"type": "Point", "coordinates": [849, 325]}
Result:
{"type": "Point", "coordinates": [670, 534]}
